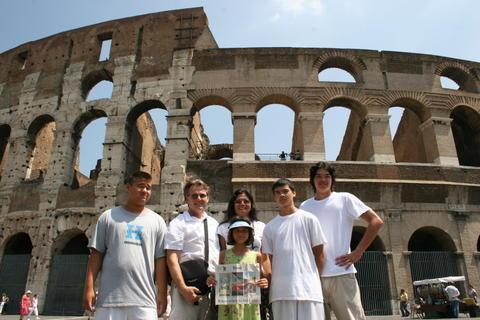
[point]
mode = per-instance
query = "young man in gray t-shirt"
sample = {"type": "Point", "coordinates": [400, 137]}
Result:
{"type": "Point", "coordinates": [128, 245]}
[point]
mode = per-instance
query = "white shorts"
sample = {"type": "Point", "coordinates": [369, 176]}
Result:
{"type": "Point", "coordinates": [297, 310]}
{"type": "Point", "coordinates": [126, 313]}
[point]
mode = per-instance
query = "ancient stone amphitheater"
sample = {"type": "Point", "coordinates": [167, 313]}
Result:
{"type": "Point", "coordinates": [425, 183]}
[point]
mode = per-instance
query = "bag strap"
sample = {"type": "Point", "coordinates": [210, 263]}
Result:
{"type": "Point", "coordinates": [205, 229]}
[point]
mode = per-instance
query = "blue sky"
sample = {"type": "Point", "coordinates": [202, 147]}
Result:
{"type": "Point", "coordinates": [438, 27]}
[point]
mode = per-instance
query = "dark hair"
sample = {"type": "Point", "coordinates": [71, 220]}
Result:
{"type": "Point", "coordinates": [231, 241]}
{"type": "Point", "coordinates": [137, 175]}
{"type": "Point", "coordinates": [321, 166]}
{"type": "Point", "coordinates": [194, 182]}
{"type": "Point", "coordinates": [282, 182]}
{"type": "Point", "coordinates": [230, 214]}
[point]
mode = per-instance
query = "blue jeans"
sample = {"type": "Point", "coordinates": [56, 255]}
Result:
{"type": "Point", "coordinates": [455, 308]}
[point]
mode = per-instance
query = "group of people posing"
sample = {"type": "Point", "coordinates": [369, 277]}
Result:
{"type": "Point", "coordinates": [304, 253]}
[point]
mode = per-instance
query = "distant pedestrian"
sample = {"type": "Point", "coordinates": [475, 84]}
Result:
{"type": "Point", "coordinates": [472, 293]}
{"type": "Point", "coordinates": [453, 296]}
{"type": "Point", "coordinates": [404, 303]}
{"type": "Point", "coordinates": [25, 304]}
{"type": "Point", "coordinates": [3, 302]}
{"type": "Point", "coordinates": [33, 307]}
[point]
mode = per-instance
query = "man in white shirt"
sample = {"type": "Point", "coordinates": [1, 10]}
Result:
{"type": "Point", "coordinates": [294, 241]}
{"type": "Point", "coordinates": [337, 212]}
{"type": "Point", "coordinates": [453, 297]}
{"type": "Point", "coordinates": [185, 241]}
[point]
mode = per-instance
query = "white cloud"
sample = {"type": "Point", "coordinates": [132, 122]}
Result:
{"type": "Point", "coordinates": [275, 17]}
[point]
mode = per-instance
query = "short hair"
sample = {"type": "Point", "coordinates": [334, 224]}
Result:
{"type": "Point", "coordinates": [137, 175]}
{"type": "Point", "coordinates": [283, 182]}
{"type": "Point", "coordinates": [231, 241]}
{"type": "Point", "coordinates": [321, 166]}
{"type": "Point", "coordinates": [230, 214]}
{"type": "Point", "coordinates": [194, 182]}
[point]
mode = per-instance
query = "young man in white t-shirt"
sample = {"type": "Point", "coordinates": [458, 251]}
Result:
{"type": "Point", "coordinates": [128, 247]}
{"type": "Point", "coordinates": [337, 212]}
{"type": "Point", "coordinates": [294, 241]}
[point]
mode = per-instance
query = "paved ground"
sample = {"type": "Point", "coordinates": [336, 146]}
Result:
{"type": "Point", "coordinates": [86, 318]}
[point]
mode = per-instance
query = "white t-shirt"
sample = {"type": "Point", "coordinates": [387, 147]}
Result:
{"type": "Point", "coordinates": [290, 239]}
{"type": "Point", "coordinates": [336, 214]}
{"type": "Point", "coordinates": [452, 292]}
{"type": "Point", "coordinates": [186, 234]}
{"type": "Point", "coordinates": [258, 227]}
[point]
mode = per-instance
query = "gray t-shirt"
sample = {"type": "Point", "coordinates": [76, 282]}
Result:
{"type": "Point", "coordinates": [130, 243]}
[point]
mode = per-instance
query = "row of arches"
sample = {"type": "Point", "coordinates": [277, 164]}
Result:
{"type": "Point", "coordinates": [275, 131]}
{"type": "Point", "coordinates": [70, 254]}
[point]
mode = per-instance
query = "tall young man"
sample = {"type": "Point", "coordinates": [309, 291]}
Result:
{"type": "Point", "coordinates": [185, 241]}
{"type": "Point", "coordinates": [294, 241]}
{"type": "Point", "coordinates": [128, 246]}
{"type": "Point", "coordinates": [337, 212]}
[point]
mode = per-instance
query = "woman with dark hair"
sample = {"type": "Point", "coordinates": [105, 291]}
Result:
{"type": "Point", "coordinates": [241, 205]}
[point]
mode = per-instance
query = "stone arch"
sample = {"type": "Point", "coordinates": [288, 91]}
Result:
{"type": "Point", "coordinates": [458, 73]}
{"type": "Point", "coordinates": [219, 151]}
{"type": "Point", "coordinates": [70, 241]}
{"type": "Point", "coordinates": [431, 239]}
{"type": "Point", "coordinates": [466, 134]}
{"type": "Point", "coordinates": [93, 78]}
{"type": "Point", "coordinates": [287, 108]}
{"type": "Point", "coordinates": [432, 254]}
{"type": "Point", "coordinates": [277, 98]}
{"type": "Point", "coordinates": [144, 149]}
{"type": "Point", "coordinates": [41, 136]}
{"type": "Point", "coordinates": [357, 234]}
{"type": "Point", "coordinates": [14, 267]}
{"type": "Point", "coordinates": [80, 123]}
{"type": "Point", "coordinates": [210, 100]}
{"type": "Point", "coordinates": [18, 243]}
{"type": "Point", "coordinates": [355, 146]}
{"type": "Point", "coordinates": [353, 65]}
{"type": "Point", "coordinates": [67, 273]}
{"type": "Point", "coordinates": [409, 139]}
{"type": "Point", "coordinates": [372, 275]}
{"type": "Point", "coordinates": [5, 131]}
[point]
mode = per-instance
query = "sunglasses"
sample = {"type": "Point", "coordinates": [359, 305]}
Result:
{"type": "Point", "coordinates": [196, 196]}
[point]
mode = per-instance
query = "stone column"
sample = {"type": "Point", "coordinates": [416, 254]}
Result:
{"type": "Point", "coordinates": [113, 162]}
{"type": "Point", "coordinates": [467, 240]}
{"type": "Point", "coordinates": [399, 258]}
{"type": "Point", "coordinates": [377, 139]}
{"type": "Point", "coordinates": [176, 156]}
{"type": "Point", "coordinates": [244, 136]}
{"type": "Point", "coordinates": [311, 124]}
{"type": "Point", "coordinates": [438, 140]}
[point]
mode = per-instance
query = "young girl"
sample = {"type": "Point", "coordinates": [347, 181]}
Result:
{"type": "Point", "coordinates": [240, 235]}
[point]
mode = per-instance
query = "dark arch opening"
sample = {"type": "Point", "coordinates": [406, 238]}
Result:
{"type": "Point", "coordinates": [466, 134]}
{"type": "Point", "coordinates": [357, 234]}
{"type": "Point", "coordinates": [459, 77]}
{"type": "Point", "coordinates": [4, 137]}
{"type": "Point", "coordinates": [94, 78]}
{"type": "Point", "coordinates": [478, 244]}
{"type": "Point", "coordinates": [19, 244]}
{"type": "Point", "coordinates": [89, 134]}
{"type": "Point", "coordinates": [76, 245]}
{"type": "Point", "coordinates": [343, 64]}
{"type": "Point", "coordinates": [431, 239]}
{"type": "Point", "coordinates": [41, 137]}
{"type": "Point", "coordinates": [145, 149]}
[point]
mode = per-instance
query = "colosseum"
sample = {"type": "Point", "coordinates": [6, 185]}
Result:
{"type": "Point", "coordinates": [425, 182]}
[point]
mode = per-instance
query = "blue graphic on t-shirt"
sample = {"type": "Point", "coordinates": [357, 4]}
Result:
{"type": "Point", "coordinates": [134, 232]}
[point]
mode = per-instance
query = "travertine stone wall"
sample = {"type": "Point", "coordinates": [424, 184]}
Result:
{"type": "Point", "coordinates": [171, 61]}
